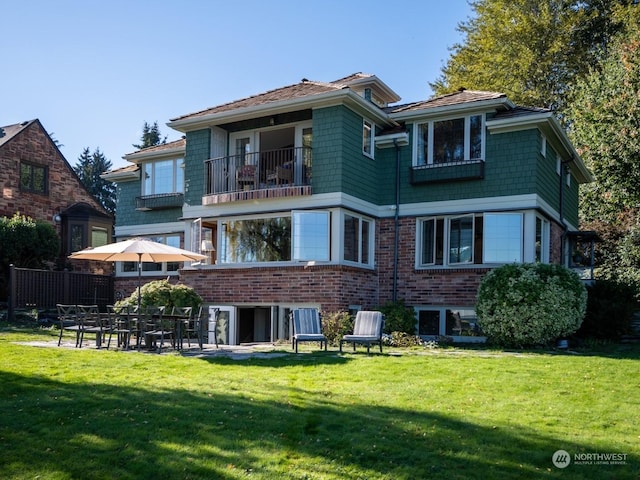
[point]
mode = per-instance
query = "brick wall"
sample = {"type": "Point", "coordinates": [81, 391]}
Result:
{"type": "Point", "coordinates": [34, 145]}
{"type": "Point", "coordinates": [333, 287]}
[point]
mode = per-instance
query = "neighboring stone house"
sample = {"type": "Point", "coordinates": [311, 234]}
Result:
{"type": "Point", "coordinates": [333, 195]}
{"type": "Point", "coordinates": [37, 181]}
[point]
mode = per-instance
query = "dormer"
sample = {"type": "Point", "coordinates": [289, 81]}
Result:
{"type": "Point", "coordinates": [370, 88]}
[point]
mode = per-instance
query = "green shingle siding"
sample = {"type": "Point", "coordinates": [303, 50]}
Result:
{"type": "Point", "coordinates": [127, 215]}
{"type": "Point", "coordinates": [197, 152]}
{"type": "Point", "coordinates": [510, 169]}
{"type": "Point", "coordinates": [338, 162]}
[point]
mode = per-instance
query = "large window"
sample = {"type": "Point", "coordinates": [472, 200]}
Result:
{"type": "Point", "coordinates": [33, 178]}
{"type": "Point", "coordinates": [311, 236]}
{"type": "Point", "coordinates": [164, 267]}
{"type": "Point", "coordinates": [449, 141]}
{"type": "Point", "coordinates": [356, 239]}
{"type": "Point", "coordinates": [163, 176]}
{"type": "Point", "coordinates": [256, 240]}
{"type": "Point", "coordinates": [503, 238]}
{"type": "Point", "coordinates": [471, 239]}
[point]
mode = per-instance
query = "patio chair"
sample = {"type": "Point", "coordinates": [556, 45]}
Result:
{"type": "Point", "coordinates": [185, 323]}
{"type": "Point", "coordinates": [307, 327]}
{"type": "Point", "coordinates": [68, 318]}
{"type": "Point", "coordinates": [91, 322]}
{"type": "Point", "coordinates": [247, 177]}
{"type": "Point", "coordinates": [157, 327]}
{"type": "Point", "coordinates": [206, 324]}
{"type": "Point", "coordinates": [367, 330]}
{"type": "Point", "coordinates": [120, 324]}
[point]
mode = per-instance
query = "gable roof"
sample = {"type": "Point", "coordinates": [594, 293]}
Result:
{"type": "Point", "coordinates": [169, 147]}
{"type": "Point", "coordinates": [464, 98]}
{"type": "Point", "coordinates": [10, 131]}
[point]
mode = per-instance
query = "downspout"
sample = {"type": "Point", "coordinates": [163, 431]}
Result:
{"type": "Point", "coordinates": [561, 206]}
{"type": "Point", "coordinates": [396, 239]}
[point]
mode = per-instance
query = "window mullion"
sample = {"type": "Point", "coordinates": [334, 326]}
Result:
{"type": "Point", "coordinates": [467, 138]}
{"type": "Point", "coordinates": [430, 143]}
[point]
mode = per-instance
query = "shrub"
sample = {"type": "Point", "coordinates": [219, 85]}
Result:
{"type": "Point", "coordinates": [401, 339]}
{"type": "Point", "coordinates": [610, 308]}
{"type": "Point", "coordinates": [628, 277]}
{"type": "Point", "coordinates": [523, 305]}
{"type": "Point", "coordinates": [335, 325]}
{"type": "Point", "coordinates": [161, 292]}
{"type": "Point", "coordinates": [398, 318]}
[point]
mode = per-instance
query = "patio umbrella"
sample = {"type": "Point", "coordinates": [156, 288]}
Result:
{"type": "Point", "coordinates": [137, 250]}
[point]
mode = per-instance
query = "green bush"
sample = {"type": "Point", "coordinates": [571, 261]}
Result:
{"type": "Point", "coordinates": [161, 292]}
{"type": "Point", "coordinates": [402, 339]}
{"type": "Point", "coordinates": [625, 276]}
{"type": "Point", "coordinates": [523, 305]}
{"type": "Point", "coordinates": [610, 308]}
{"type": "Point", "coordinates": [335, 325]}
{"type": "Point", "coordinates": [398, 318]}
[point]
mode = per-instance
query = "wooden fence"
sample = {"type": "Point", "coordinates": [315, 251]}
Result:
{"type": "Point", "coordinates": [43, 289]}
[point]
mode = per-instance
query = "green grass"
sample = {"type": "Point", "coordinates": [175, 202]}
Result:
{"type": "Point", "coordinates": [446, 413]}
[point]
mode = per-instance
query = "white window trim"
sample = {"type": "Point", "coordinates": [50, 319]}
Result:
{"type": "Point", "coordinates": [371, 244]}
{"type": "Point", "coordinates": [366, 123]}
{"type": "Point", "coordinates": [149, 273]}
{"type": "Point", "coordinates": [467, 137]}
{"type": "Point", "coordinates": [447, 239]}
{"type": "Point", "coordinates": [528, 239]}
{"type": "Point", "coordinates": [178, 163]}
{"type": "Point", "coordinates": [522, 236]}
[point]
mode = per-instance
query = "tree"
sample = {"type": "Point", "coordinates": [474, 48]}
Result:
{"type": "Point", "coordinates": [89, 168]}
{"type": "Point", "coordinates": [531, 50]}
{"type": "Point", "coordinates": [605, 128]}
{"type": "Point", "coordinates": [26, 243]}
{"type": "Point", "coordinates": [150, 136]}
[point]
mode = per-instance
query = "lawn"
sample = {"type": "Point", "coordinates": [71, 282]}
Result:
{"type": "Point", "coordinates": [450, 413]}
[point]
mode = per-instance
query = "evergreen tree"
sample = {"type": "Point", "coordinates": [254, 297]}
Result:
{"type": "Point", "coordinates": [531, 50]}
{"type": "Point", "coordinates": [605, 127]}
{"type": "Point", "coordinates": [89, 168]}
{"type": "Point", "coordinates": [151, 136]}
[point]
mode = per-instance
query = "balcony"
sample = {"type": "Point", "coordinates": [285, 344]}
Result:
{"type": "Point", "coordinates": [447, 172]}
{"type": "Point", "coordinates": [275, 173]}
{"type": "Point", "coordinates": [159, 202]}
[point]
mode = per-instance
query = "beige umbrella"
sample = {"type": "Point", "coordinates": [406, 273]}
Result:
{"type": "Point", "coordinates": [137, 250]}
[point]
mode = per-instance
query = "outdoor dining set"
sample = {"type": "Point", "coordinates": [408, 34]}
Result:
{"type": "Point", "coordinates": [147, 327]}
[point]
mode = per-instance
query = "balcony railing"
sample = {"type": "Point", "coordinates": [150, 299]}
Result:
{"type": "Point", "coordinates": [286, 167]}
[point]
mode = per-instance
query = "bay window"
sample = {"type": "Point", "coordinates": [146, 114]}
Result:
{"type": "Point", "coordinates": [356, 239]}
{"type": "Point", "coordinates": [256, 240]}
{"type": "Point", "coordinates": [311, 236]}
{"type": "Point", "coordinates": [503, 238]}
{"type": "Point", "coordinates": [163, 176]}
{"type": "Point", "coordinates": [449, 141]}
{"type": "Point", "coordinates": [472, 239]}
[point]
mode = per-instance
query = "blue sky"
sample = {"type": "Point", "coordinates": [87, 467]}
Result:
{"type": "Point", "coordinates": [94, 71]}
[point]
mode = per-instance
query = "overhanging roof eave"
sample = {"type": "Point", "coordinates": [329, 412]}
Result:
{"type": "Point", "coordinates": [343, 96]}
